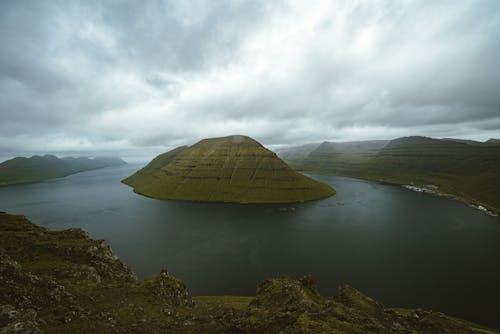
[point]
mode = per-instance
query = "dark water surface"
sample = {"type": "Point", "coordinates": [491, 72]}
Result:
{"type": "Point", "coordinates": [400, 247]}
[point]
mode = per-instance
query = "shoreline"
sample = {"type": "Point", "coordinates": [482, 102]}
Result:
{"type": "Point", "coordinates": [436, 192]}
{"type": "Point", "coordinates": [472, 203]}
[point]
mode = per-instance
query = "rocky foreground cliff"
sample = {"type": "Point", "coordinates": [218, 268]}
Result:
{"type": "Point", "coordinates": [66, 282]}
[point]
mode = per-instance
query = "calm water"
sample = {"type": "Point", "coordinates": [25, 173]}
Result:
{"type": "Point", "coordinates": [400, 247]}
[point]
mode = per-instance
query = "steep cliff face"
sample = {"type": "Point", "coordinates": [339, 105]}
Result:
{"type": "Point", "coordinates": [65, 282]}
{"type": "Point", "coordinates": [228, 169]}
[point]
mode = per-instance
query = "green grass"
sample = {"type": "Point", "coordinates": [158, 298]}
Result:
{"type": "Point", "coordinates": [236, 302]}
{"type": "Point", "coordinates": [470, 173]}
{"type": "Point", "coordinates": [225, 170]}
{"type": "Point", "coordinates": [476, 327]}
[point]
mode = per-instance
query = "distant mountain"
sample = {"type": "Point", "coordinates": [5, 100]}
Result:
{"type": "Point", "coordinates": [39, 168]}
{"type": "Point", "coordinates": [296, 154]}
{"type": "Point", "coordinates": [227, 169]}
{"type": "Point", "coordinates": [342, 157]}
{"type": "Point", "coordinates": [468, 172]}
{"type": "Point", "coordinates": [475, 142]}
{"type": "Point", "coordinates": [465, 141]}
{"type": "Point", "coordinates": [493, 141]}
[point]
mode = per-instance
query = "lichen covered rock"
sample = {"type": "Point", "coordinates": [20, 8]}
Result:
{"type": "Point", "coordinates": [19, 321]}
{"type": "Point", "coordinates": [168, 289]}
{"type": "Point", "coordinates": [285, 305]}
{"type": "Point", "coordinates": [288, 294]}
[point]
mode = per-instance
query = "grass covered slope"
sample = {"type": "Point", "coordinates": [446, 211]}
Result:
{"type": "Point", "coordinates": [296, 154]}
{"type": "Point", "coordinates": [39, 168]}
{"type": "Point", "coordinates": [66, 282]}
{"type": "Point", "coordinates": [227, 169]}
{"type": "Point", "coordinates": [466, 170]}
{"type": "Point", "coordinates": [344, 157]}
{"type": "Point", "coordinates": [151, 172]}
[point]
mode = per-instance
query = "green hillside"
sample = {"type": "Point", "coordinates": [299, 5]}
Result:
{"type": "Point", "coordinates": [39, 168]}
{"type": "Point", "coordinates": [344, 157]}
{"type": "Point", "coordinates": [493, 141]}
{"type": "Point", "coordinates": [227, 169]}
{"type": "Point", "coordinates": [296, 154]}
{"type": "Point", "coordinates": [469, 172]}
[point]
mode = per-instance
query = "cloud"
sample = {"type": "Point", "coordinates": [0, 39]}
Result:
{"type": "Point", "coordinates": [135, 77]}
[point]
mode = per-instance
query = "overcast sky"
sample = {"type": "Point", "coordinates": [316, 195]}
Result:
{"type": "Point", "coordinates": [137, 78]}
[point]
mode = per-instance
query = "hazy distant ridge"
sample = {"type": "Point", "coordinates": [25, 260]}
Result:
{"type": "Point", "coordinates": [38, 168]}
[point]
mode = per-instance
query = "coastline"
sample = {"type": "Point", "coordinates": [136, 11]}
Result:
{"type": "Point", "coordinates": [433, 190]}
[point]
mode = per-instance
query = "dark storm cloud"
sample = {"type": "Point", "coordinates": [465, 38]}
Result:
{"type": "Point", "coordinates": [130, 76]}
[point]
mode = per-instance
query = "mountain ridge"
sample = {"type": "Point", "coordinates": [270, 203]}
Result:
{"type": "Point", "coordinates": [37, 168]}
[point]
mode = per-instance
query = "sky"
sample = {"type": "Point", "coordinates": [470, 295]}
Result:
{"type": "Point", "coordinates": [136, 78]}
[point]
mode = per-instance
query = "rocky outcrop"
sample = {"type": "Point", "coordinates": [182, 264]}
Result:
{"type": "Point", "coordinates": [351, 297]}
{"type": "Point", "coordinates": [66, 282]}
{"type": "Point", "coordinates": [287, 293]}
{"type": "Point", "coordinates": [26, 290]}
{"type": "Point", "coordinates": [228, 169]}
{"type": "Point", "coordinates": [285, 305]}
{"type": "Point", "coordinates": [19, 321]}
{"type": "Point", "coordinates": [62, 281]}
{"type": "Point", "coordinates": [39, 249]}
{"type": "Point", "coordinates": [168, 290]}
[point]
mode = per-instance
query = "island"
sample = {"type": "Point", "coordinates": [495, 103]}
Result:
{"type": "Point", "coordinates": [227, 169]}
{"type": "Point", "coordinates": [39, 168]}
{"type": "Point", "coordinates": [66, 282]}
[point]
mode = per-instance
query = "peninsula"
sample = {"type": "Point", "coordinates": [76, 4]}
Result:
{"type": "Point", "coordinates": [464, 170]}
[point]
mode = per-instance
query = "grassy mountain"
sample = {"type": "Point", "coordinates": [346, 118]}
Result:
{"type": "Point", "coordinates": [39, 168]}
{"type": "Point", "coordinates": [470, 172]}
{"type": "Point", "coordinates": [227, 169]}
{"type": "Point", "coordinates": [342, 157]}
{"type": "Point", "coordinates": [493, 141]}
{"type": "Point", "coordinates": [467, 171]}
{"type": "Point", "coordinates": [66, 282]}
